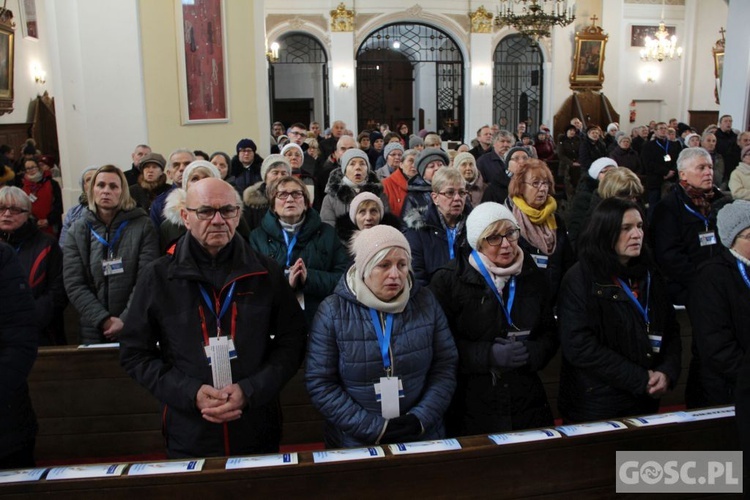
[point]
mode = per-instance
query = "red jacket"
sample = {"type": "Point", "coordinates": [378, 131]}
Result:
{"type": "Point", "coordinates": [48, 202]}
{"type": "Point", "coordinates": [395, 188]}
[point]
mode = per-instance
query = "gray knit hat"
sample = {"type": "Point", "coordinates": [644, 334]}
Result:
{"type": "Point", "coordinates": [513, 150]}
{"type": "Point", "coordinates": [390, 147]}
{"type": "Point", "coordinates": [350, 154]}
{"type": "Point", "coordinates": [429, 155]}
{"type": "Point", "coordinates": [415, 141]}
{"type": "Point", "coordinates": [732, 219]}
{"type": "Point", "coordinates": [482, 216]}
{"type": "Point", "coordinates": [272, 161]}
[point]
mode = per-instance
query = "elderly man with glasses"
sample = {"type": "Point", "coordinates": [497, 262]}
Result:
{"type": "Point", "coordinates": [230, 334]}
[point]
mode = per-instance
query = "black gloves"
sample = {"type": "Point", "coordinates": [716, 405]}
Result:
{"type": "Point", "coordinates": [404, 428]}
{"type": "Point", "coordinates": [508, 354]}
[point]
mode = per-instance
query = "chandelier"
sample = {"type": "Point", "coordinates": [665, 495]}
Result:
{"type": "Point", "coordinates": [535, 19]}
{"type": "Point", "coordinates": [662, 46]}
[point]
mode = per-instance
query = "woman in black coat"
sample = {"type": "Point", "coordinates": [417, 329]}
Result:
{"type": "Point", "coordinates": [718, 309]}
{"type": "Point", "coordinates": [592, 148]}
{"type": "Point", "coordinates": [620, 340]}
{"type": "Point", "coordinates": [499, 309]}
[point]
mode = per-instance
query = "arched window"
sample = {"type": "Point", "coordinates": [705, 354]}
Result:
{"type": "Point", "coordinates": [298, 81]}
{"type": "Point", "coordinates": [411, 73]}
{"type": "Point", "coordinates": [518, 83]}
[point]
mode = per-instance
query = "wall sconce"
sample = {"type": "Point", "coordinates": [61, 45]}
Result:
{"type": "Point", "coordinates": [343, 78]}
{"type": "Point", "coordinates": [39, 75]}
{"type": "Point", "coordinates": [649, 74]}
{"type": "Point", "coordinates": [481, 77]}
{"type": "Point", "coordinates": [272, 54]}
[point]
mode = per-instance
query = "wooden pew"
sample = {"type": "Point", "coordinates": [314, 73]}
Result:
{"type": "Point", "coordinates": [88, 407]}
{"type": "Point", "coordinates": [578, 467]}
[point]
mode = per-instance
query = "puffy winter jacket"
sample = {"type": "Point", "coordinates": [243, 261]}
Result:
{"type": "Point", "coordinates": [97, 297]}
{"type": "Point", "coordinates": [339, 196]}
{"type": "Point", "coordinates": [317, 245]}
{"type": "Point", "coordinates": [428, 241]}
{"type": "Point", "coordinates": [344, 360]}
{"type": "Point", "coordinates": [489, 399]}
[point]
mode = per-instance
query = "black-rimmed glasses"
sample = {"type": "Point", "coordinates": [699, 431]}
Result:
{"type": "Point", "coordinates": [497, 239]}
{"type": "Point", "coordinates": [208, 213]}
{"type": "Point", "coordinates": [13, 210]}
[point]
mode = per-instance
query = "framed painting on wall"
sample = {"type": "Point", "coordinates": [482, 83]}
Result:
{"type": "Point", "coordinates": [7, 40]}
{"type": "Point", "coordinates": [29, 25]}
{"type": "Point", "coordinates": [201, 52]}
{"type": "Point", "coordinates": [588, 59]}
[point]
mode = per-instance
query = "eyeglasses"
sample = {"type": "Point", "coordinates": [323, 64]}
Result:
{"type": "Point", "coordinates": [12, 210]}
{"type": "Point", "coordinates": [284, 195]}
{"type": "Point", "coordinates": [295, 132]}
{"type": "Point", "coordinates": [208, 213]}
{"type": "Point", "coordinates": [539, 184]}
{"type": "Point", "coordinates": [452, 193]}
{"type": "Point", "coordinates": [497, 239]}
{"type": "Point", "coordinates": [246, 150]}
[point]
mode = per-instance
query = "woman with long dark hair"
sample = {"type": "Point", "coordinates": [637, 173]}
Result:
{"type": "Point", "coordinates": [619, 337]}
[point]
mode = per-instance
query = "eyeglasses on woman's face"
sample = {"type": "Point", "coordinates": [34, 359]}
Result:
{"type": "Point", "coordinates": [12, 210]}
{"type": "Point", "coordinates": [284, 195]}
{"type": "Point", "coordinates": [497, 239]}
{"type": "Point", "coordinates": [539, 184]}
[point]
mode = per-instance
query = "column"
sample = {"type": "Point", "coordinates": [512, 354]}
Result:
{"type": "Point", "coordinates": [342, 79]}
{"type": "Point", "coordinates": [735, 84]}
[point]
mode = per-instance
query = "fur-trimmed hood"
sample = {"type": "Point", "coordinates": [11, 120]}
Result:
{"type": "Point", "coordinates": [427, 216]}
{"type": "Point", "coordinates": [338, 189]}
{"type": "Point", "coordinates": [255, 196]}
{"type": "Point", "coordinates": [174, 203]}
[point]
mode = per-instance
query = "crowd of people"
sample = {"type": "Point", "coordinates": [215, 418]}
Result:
{"type": "Point", "coordinates": [423, 289]}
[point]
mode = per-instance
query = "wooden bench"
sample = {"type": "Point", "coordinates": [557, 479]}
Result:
{"type": "Point", "coordinates": [577, 467]}
{"type": "Point", "coordinates": [89, 407]}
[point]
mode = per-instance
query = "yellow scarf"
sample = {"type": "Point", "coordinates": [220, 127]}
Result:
{"type": "Point", "coordinates": [545, 215]}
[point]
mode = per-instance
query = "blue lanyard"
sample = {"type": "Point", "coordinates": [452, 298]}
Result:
{"type": "Point", "coordinates": [665, 147]}
{"type": "Point", "coordinates": [697, 214]}
{"type": "Point", "coordinates": [451, 233]}
{"type": "Point", "coordinates": [641, 309]}
{"type": "Point", "coordinates": [384, 337]}
{"type": "Point", "coordinates": [743, 272]}
{"type": "Point", "coordinates": [289, 246]}
{"type": "Point", "coordinates": [511, 291]}
{"type": "Point", "coordinates": [110, 245]}
{"type": "Point", "coordinates": [224, 307]}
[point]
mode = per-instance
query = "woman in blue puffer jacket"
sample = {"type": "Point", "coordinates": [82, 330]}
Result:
{"type": "Point", "coordinates": [378, 335]}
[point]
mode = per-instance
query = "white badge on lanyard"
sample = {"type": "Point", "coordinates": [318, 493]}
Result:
{"type": "Point", "coordinates": [387, 391]}
{"type": "Point", "coordinates": [519, 335]}
{"type": "Point", "coordinates": [33, 197]}
{"type": "Point", "coordinates": [667, 158]}
{"type": "Point", "coordinates": [217, 351]}
{"type": "Point", "coordinates": [112, 266]}
{"type": "Point", "coordinates": [655, 341]}
{"type": "Point", "coordinates": [707, 238]}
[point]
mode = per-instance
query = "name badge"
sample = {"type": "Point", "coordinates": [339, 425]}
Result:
{"type": "Point", "coordinates": [655, 341]}
{"type": "Point", "coordinates": [667, 158]}
{"type": "Point", "coordinates": [707, 238]}
{"type": "Point", "coordinates": [33, 197]}
{"type": "Point", "coordinates": [111, 267]}
{"type": "Point", "coordinates": [387, 391]}
{"type": "Point", "coordinates": [541, 261]}
{"type": "Point", "coordinates": [232, 350]}
{"type": "Point", "coordinates": [520, 335]}
{"type": "Point", "coordinates": [218, 353]}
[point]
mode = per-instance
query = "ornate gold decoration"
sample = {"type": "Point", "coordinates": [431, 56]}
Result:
{"type": "Point", "coordinates": [481, 20]}
{"type": "Point", "coordinates": [342, 19]}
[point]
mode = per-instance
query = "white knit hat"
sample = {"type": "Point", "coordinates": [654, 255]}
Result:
{"type": "Point", "coordinates": [482, 216]}
{"type": "Point", "coordinates": [289, 146]}
{"type": "Point", "coordinates": [203, 164]}
{"type": "Point", "coordinates": [600, 164]}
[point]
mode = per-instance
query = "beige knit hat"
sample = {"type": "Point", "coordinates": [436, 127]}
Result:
{"type": "Point", "coordinates": [363, 196]}
{"type": "Point", "coordinates": [365, 244]}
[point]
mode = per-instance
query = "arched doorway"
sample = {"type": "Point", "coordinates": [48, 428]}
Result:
{"type": "Point", "coordinates": [411, 73]}
{"type": "Point", "coordinates": [298, 81]}
{"type": "Point", "coordinates": [518, 83]}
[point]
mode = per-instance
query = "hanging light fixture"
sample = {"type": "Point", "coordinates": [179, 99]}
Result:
{"type": "Point", "coordinates": [535, 19]}
{"type": "Point", "coordinates": [662, 46]}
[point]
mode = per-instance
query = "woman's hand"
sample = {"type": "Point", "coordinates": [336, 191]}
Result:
{"type": "Point", "coordinates": [112, 328]}
{"type": "Point", "coordinates": [297, 274]}
{"type": "Point", "coordinates": [658, 383]}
